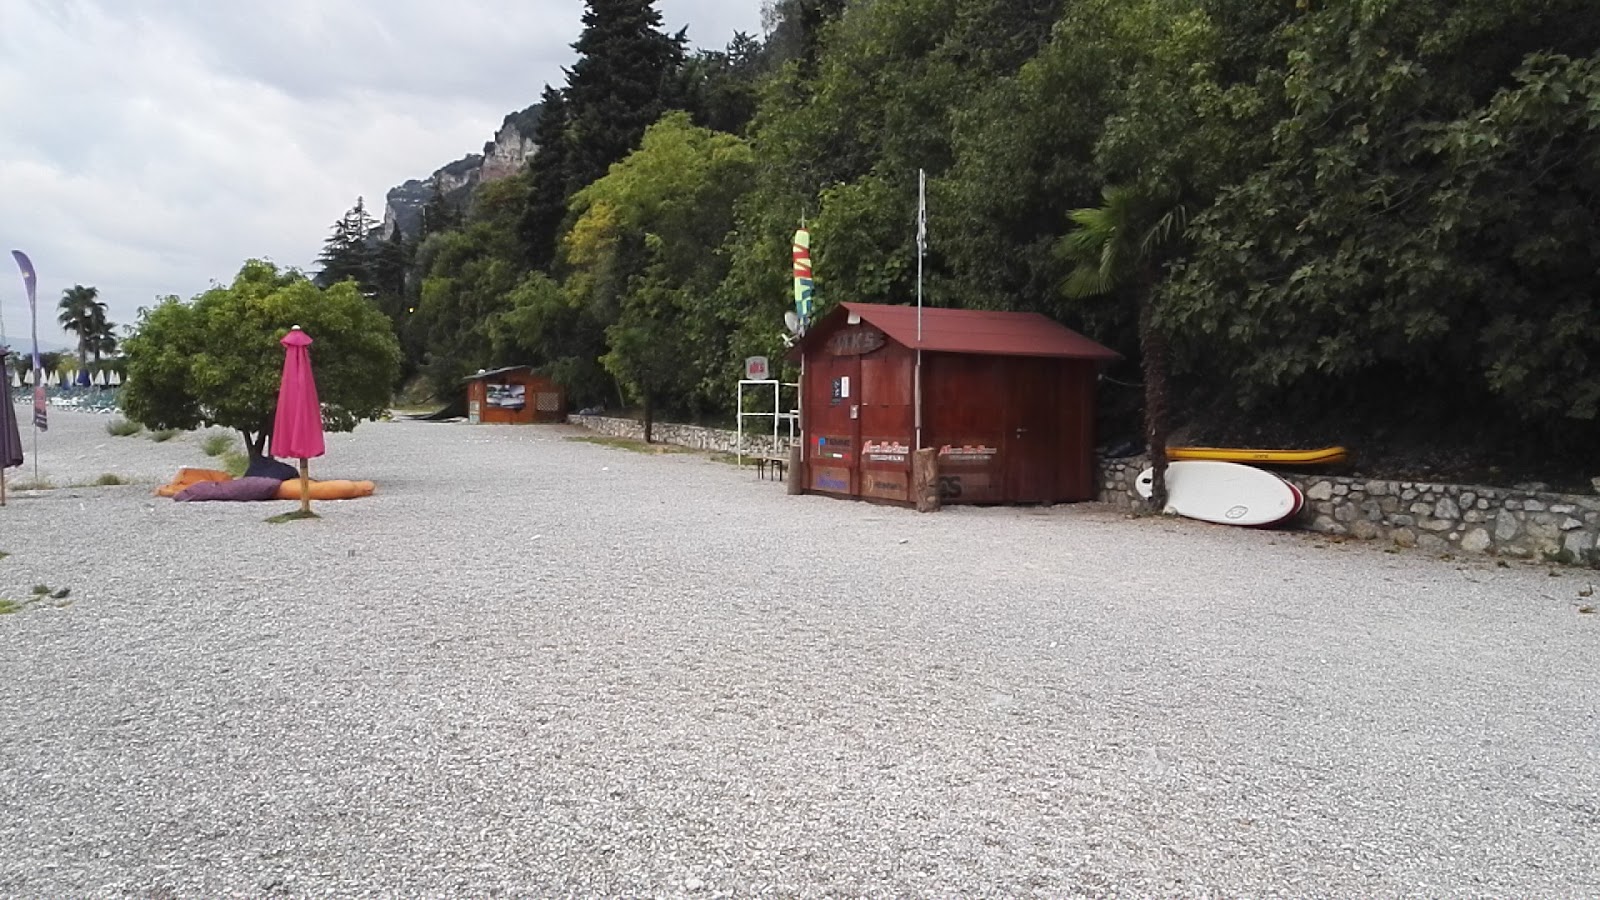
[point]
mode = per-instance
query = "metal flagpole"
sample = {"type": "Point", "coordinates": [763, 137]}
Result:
{"type": "Point", "coordinates": [922, 244]}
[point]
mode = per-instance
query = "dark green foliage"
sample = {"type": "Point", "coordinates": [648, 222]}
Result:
{"type": "Point", "coordinates": [391, 260]}
{"type": "Point", "coordinates": [438, 214]}
{"type": "Point", "coordinates": [548, 179]}
{"type": "Point", "coordinates": [347, 254]}
{"type": "Point", "coordinates": [466, 277]}
{"type": "Point", "coordinates": [1351, 218]}
{"type": "Point", "coordinates": [620, 84]}
{"type": "Point", "coordinates": [719, 86]}
{"type": "Point", "coordinates": [1419, 243]}
{"type": "Point", "coordinates": [795, 29]}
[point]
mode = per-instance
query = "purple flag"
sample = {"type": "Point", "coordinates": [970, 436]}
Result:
{"type": "Point", "coordinates": [30, 281]}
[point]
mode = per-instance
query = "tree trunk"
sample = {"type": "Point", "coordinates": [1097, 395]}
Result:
{"type": "Point", "coordinates": [649, 417]}
{"type": "Point", "coordinates": [1153, 350]}
{"type": "Point", "coordinates": [256, 446]}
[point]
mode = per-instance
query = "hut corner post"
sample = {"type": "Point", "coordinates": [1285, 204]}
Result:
{"type": "Point", "coordinates": [797, 475]}
{"type": "Point", "coordinates": [925, 479]}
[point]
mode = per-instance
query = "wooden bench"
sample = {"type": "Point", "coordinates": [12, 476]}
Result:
{"type": "Point", "coordinates": [777, 465]}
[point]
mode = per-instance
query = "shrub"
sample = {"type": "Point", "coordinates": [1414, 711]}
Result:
{"type": "Point", "coordinates": [217, 444]}
{"type": "Point", "coordinates": [234, 463]}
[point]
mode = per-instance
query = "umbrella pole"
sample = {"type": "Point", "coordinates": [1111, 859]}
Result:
{"type": "Point", "coordinates": [2, 487]}
{"type": "Point", "coordinates": [305, 487]}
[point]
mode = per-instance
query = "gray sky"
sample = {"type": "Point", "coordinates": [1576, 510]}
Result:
{"type": "Point", "coordinates": [149, 147]}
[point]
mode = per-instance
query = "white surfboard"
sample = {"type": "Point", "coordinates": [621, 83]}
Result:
{"type": "Point", "coordinates": [1224, 492]}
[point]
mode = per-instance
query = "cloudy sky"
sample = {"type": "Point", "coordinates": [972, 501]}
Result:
{"type": "Point", "coordinates": [148, 147]}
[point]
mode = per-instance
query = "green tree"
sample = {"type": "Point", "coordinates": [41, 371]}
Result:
{"type": "Point", "coordinates": [620, 84]}
{"type": "Point", "coordinates": [215, 360]}
{"type": "Point", "coordinates": [639, 265]}
{"type": "Point", "coordinates": [1423, 214]}
{"type": "Point", "coordinates": [84, 316]}
{"type": "Point", "coordinates": [438, 214]}
{"type": "Point", "coordinates": [467, 276]}
{"type": "Point", "coordinates": [347, 253]}
{"type": "Point", "coordinates": [391, 260]}
{"type": "Point", "coordinates": [720, 86]}
{"type": "Point", "coordinates": [1120, 244]}
{"type": "Point", "coordinates": [549, 174]}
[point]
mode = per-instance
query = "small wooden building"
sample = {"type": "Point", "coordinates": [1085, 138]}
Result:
{"type": "Point", "coordinates": [1007, 400]}
{"type": "Point", "coordinates": [514, 395]}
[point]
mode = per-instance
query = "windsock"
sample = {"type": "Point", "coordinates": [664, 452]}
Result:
{"type": "Point", "coordinates": [802, 276]}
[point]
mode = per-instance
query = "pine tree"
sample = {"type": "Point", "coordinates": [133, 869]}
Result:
{"type": "Point", "coordinates": [621, 84]}
{"type": "Point", "coordinates": [346, 254]}
{"type": "Point", "coordinates": [438, 214]}
{"type": "Point", "coordinates": [548, 177]}
{"type": "Point", "coordinates": [390, 261]}
{"type": "Point", "coordinates": [719, 86]}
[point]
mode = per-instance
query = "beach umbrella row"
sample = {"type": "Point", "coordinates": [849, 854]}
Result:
{"type": "Point", "coordinates": [24, 378]}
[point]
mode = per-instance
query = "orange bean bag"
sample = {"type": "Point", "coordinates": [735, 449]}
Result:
{"type": "Point", "coordinates": [327, 490]}
{"type": "Point", "coordinates": [188, 476]}
{"type": "Point", "coordinates": [320, 490]}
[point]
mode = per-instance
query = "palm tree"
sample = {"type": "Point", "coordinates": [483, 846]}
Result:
{"type": "Point", "coordinates": [84, 315]}
{"type": "Point", "coordinates": [102, 336]}
{"type": "Point", "coordinates": [1123, 242]}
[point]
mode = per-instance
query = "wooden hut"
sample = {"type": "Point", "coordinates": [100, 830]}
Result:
{"type": "Point", "coordinates": [514, 395]}
{"type": "Point", "coordinates": [1007, 399]}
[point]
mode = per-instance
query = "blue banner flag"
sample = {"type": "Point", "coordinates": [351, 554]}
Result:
{"type": "Point", "coordinates": [30, 281]}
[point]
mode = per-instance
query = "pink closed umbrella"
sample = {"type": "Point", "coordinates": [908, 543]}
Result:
{"type": "Point", "coordinates": [297, 427]}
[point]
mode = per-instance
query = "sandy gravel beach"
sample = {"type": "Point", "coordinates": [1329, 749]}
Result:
{"type": "Point", "coordinates": [533, 666]}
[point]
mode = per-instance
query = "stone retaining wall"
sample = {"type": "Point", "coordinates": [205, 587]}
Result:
{"type": "Point", "coordinates": [1438, 517]}
{"type": "Point", "coordinates": [716, 440]}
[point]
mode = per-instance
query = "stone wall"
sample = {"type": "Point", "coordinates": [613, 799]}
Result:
{"type": "Point", "coordinates": [1524, 524]}
{"type": "Point", "coordinates": [716, 440]}
{"type": "Point", "coordinates": [1437, 517]}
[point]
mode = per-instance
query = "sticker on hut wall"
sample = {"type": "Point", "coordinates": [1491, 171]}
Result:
{"type": "Point", "coordinates": [968, 485]}
{"type": "Point", "coordinates": [885, 485]}
{"type": "Point", "coordinates": [841, 389]}
{"type": "Point", "coordinates": [855, 341]}
{"type": "Point", "coordinates": [885, 452]}
{"type": "Point", "coordinates": [507, 396]}
{"type": "Point", "coordinates": [967, 454]}
{"type": "Point", "coordinates": [833, 448]}
{"type": "Point", "coordinates": [830, 479]}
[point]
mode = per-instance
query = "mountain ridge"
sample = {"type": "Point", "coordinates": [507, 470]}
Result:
{"type": "Point", "coordinates": [502, 157]}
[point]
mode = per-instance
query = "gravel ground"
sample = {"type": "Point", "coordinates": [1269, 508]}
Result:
{"type": "Point", "coordinates": [534, 666]}
{"type": "Point", "coordinates": [76, 450]}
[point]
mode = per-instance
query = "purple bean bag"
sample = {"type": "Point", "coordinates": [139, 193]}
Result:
{"type": "Point", "coordinates": [237, 489]}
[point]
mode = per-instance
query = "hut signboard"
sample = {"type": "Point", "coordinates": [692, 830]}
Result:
{"type": "Point", "coordinates": [1007, 403]}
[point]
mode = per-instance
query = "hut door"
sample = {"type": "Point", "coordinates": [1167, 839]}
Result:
{"type": "Point", "coordinates": [1033, 439]}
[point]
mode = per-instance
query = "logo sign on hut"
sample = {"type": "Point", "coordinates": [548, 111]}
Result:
{"type": "Point", "coordinates": [755, 368]}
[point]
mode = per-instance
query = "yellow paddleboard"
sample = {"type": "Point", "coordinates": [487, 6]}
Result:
{"type": "Point", "coordinates": [1323, 457]}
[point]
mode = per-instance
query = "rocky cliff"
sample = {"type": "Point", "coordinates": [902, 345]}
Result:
{"type": "Point", "coordinates": [502, 157]}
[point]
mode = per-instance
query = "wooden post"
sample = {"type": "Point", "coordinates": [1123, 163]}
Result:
{"type": "Point", "coordinates": [925, 479]}
{"type": "Point", "coordinates": [797, 475]}
{"type": "Point", "coordinates": [3, 484]}
{"type": "Point", "coordinates": [305, 487]}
